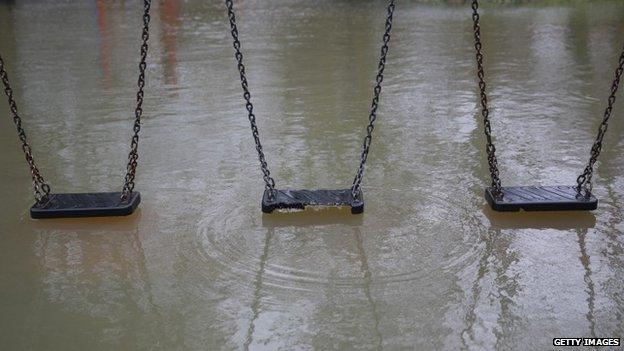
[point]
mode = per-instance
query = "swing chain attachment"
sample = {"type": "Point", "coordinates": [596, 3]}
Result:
{"type": "Point", "coordinates": [40, 186]}
{"type": "Point", "coordinates": [584, 181]}
{"type": "Point", "coordinates": [357, 181]}
{"type": "Point", "coordinates": [133, 156]}
{"type": "Point", "coordinates": [268, 180]}
{"type": "Point", "coordinates": [485, 112]}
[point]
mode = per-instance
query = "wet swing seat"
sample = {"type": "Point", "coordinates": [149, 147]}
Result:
{"type": "Point", "coordinates": [540, 198]}
{"type": "Point", "coordinates": [85, 205]}
{"type": "Point", "coordinates": [300, 199]}
{"type": "Point", "coordinates": [108, 204]}
{"type": "Point", "coordinates": [274, 199]}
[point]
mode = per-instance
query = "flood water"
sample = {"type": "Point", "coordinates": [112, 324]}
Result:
{"type": "Point", "coordinates": [199, 267]}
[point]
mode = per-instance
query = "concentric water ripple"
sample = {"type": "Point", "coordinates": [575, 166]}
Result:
{"type": "Point", "coordinates": [236, 240]}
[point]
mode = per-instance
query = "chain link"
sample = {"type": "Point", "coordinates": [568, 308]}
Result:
{"type": "Point", "coordinates": [584, 181]}
{"type": "Point", "coordinates": [269, 182]}
{"type": "Point", "coordinates": [357, 181]}
{"type": "Point", "coordinates": [41, 188]}
{"type": "Point", "coordinates": [485, 112]}
{"type": "Point", "coordinates": [133, 156]}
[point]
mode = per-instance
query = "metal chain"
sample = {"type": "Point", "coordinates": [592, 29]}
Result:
{"type": "Point", "coordinates": [268, 180]}
{"type": "Point", "coordinates": [485, 112]}
{"type": "Point", "coordinates": [40, 186]}
{"type": "Point", "coordinates": [584, 180]}
{"type": "Point", "coordinates": [133, 156]}
{"type": "Point", "coordinates": [357, 181]}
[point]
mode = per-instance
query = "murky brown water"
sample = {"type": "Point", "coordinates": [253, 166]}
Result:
{"type": "Point", "coordinates": [428, 266]}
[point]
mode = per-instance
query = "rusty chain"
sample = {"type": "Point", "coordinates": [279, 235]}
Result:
{"type": "Point", "coordinates": [584, 181]}
{"type": "Point", "coordinates": [41, 188]}
{"type": "Point", "coordinates": [357, 181]}
{"type": "Point", "coordinates": [268, 180]}
{"type": "Point", "coordinates": [485, 111]}
{"type": "Point", "coordinates": [133, 156]}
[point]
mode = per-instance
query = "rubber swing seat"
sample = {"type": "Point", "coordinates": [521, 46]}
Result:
{"type": "Point", "coordinates": [300, 199]}
{"type": "Point", "coordinates": [540, 198]}
{"type": "Point", "coordinates": [85, 205]}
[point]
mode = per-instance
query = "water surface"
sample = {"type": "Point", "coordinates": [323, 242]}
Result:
{"type": "Point", "coordinates": [199, 267]}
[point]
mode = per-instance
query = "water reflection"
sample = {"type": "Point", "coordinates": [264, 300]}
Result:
{"type": "Point", "coordinates": [487, 326]}
{"type": "Point", "coordinates": [94, 273]}
{"type": "Point", "coordinates": [255, 305]}
{"type": "Point", "coordinates": [539, 220]}
{"type": "Point", "coordinates": [606, 243]}
{"type": "Point", "coordinates": [105, 45]}
{"type": "Point", "coordinates": [169, 12]}
{"type": "Point", "coordinates": [367, 288]}
{"type": "Point", "coordinates": [591, 293]}
{"type": "Point", "coordinates": [312, 217]}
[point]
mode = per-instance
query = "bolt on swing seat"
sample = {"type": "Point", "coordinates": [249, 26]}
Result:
{"type": "Point", "coordinates": [538, 198]}
{"type": "Point", "coordinates": [300, 199]}
{"type": "Point", "coordinates": [85, 205]}
{"type": "Point", "coordinates": [275, 199]}
{"type": "Point", "coordinates": [49, 205]}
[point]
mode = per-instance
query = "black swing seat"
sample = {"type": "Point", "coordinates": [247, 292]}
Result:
{"type": "Point", "coordinates": [85, 205]}
{"type": "Point", "coordinates": [299, 199]}
{"type": "Point", "coordinates": [540, 198]}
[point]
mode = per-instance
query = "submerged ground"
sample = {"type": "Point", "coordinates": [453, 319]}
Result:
{"type": "Point", "coordinates": [427, 266]}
